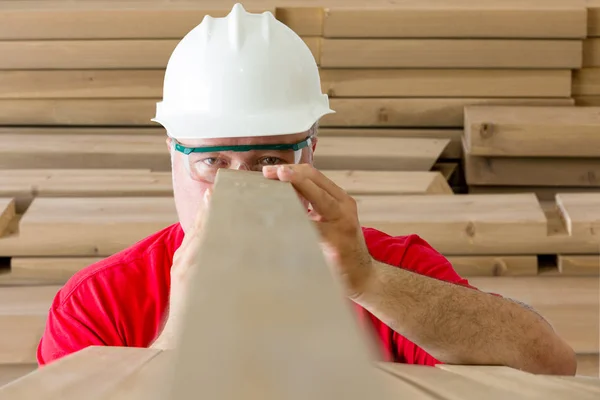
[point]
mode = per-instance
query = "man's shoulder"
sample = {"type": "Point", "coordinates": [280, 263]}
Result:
{"type": "Point", "coordinates": [126, 269]}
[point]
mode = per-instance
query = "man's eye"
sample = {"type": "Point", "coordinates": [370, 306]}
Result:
{"type": "Point", "coordinates": [271, 161]}
{"type": "Point", "coordinates": [213, 162]}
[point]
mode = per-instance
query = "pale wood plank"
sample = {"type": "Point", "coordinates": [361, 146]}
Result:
{"type": "Point", "coordinates": [532, 131]}
{"type": "Point", "coordinates": [453, 150]}
{"type": "Point", "coordinates": [542, 193]}
{"type": "Point", "coordinates": [303, 18]}
{"type": "Point", "coordinates": [78, 226]}
{"type": "Point", "coordinates": [570, 304]}
{"type": "Point", "coordinates": [445, 83]}
{"type": "Point", "coordinates": [579, 265]}
{"type": "Point", "coordinates": [577, 172]}
{"type": "Point", "coordinates": [55, 269]}
{"type": "Point", "coordinates": [128, 19]}
{"type": "Point", "coordinates": [413, 112]}
{"type": "Point", "coordinates": [588, 365]}
{"type": "Point", "coordinates": [389, 182]}
{"type": "Point", "coordinates": [11, 372]}
{"type": "Point", "coordinates": [91, 373]}
{"type": "Point", "coordinates": [7, 213]}
{"type": "Point", "coordinates": [449, 53]}
{"type": "Point", "coordinates": [500, 265]}
{"type": "Point", "coordinates": [581, 214]}
{"type": "Point", "coordinates": [448, 386]}
{"type": "Point", "coordinates": [520, 383]}
{"type": "Point", "coordinates": [470, 18]}
{"type": "Point", "coordinates": [591, 53]}
{"type": "Point", "coordinates": [350, 112]}
{"type": "Point", "coordinates": [274, 281]}
{"type": "Point", "coordinates": [586, 82]}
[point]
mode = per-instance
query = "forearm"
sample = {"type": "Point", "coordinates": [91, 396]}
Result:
{"type": "Point", "coordinates": [459, 325]}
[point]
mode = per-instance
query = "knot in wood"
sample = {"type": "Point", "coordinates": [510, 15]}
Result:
{"type": "Point", "coordinates": [486, 131]}
{"type": "Point", "coordinates": [383, 115]}
{"type": "Point", "coordinates": [470, 229]}
{"type": "Point", "coordinates": [499, 267]}
{"type": "Point", "coordinates": [591, 177]}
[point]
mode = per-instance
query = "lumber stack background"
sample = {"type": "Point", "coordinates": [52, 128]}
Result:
{"type": "Point", "coordinates": [474, 124]}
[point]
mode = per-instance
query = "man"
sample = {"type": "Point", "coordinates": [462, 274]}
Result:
{"type": "Point", "coordinates": [244, 92]}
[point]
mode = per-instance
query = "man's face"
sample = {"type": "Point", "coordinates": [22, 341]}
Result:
{"type": "Point", "coordinates": [189, 192]}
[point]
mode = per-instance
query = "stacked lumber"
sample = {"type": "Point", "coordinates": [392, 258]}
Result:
{"type": "Point", "coordinates": [540, 149]}
{"type": "Point", "coordinates": [586, 79]}
{"type": "Point", "coordinates": [110, 373]}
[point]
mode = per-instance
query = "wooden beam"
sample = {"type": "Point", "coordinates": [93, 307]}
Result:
{"type": "Point", "coordinates": [11, 372]}
{"type": "Point", "coordinates": [579, 265]}
{"type": "Point", "coordinates": [591, 53]}
{"type": "Point", "coordinates": [271, 280]}
{"type": "Point", "coordinates": [543, 193]}
{"type": "Point", "coordinates": [453, 150]}
{"type": "Point", "coordinates": [586, 82]}
{"type": "Point", "coordinates": [593, 15]}
{"type": "Point", "coordinates": [32, 20]}
{"type": "Point", "coordinates": [581, 213]}
{"type": "Point", "coordinates": [470, 19]}
{"type": "Point", "coordinates": [450, 53]}
{"type": "Point", "coordinates": [577, 172]}
{"type": "Point", "coordinates": [389, 182]}
{"type": "Point", "coordinates": [445, 83]}
{"type": "Point", "coordinates": [305, 20]}
{"type": "Point", "coordinates": [50, 270]}
{"type": "Point", "coordinates": [593, 101]}
{"type": "Point", "coordinates": [506, 131]}
{"type": "Point", "coordinates": [588, 365]}
{"type": "Point", "coordinates": [7, 213]}
{"type": "Point", "coordinates": [500, 265]}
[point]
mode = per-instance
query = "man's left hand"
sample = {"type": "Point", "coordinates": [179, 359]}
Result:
{"type": "Point", "coordinates": [335, 214]}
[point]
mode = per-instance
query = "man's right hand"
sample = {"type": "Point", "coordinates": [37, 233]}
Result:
{"type": "Point", "coordinates": [184, 263]}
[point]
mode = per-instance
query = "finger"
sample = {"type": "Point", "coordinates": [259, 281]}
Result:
{"type": "Point", "coordinates": [321, 201]}
{"type": "Point", "coordinates": [198, 224]}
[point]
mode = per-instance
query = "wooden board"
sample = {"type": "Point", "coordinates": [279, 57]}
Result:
{"type": "Point", "coordinates": [77, 226]}
{"type": "Point", "coordinates": [570, 304]}
{"type": "Point", "coordinates": [507, 131]}
{"type": "Point", "coordinates": [413, 112]}
{"type": "Point", "coordinates": [350, 112]}
{"type": "Point", "coordinates": [128, 19]}
{"type": "Point", "coordinates": [578, 172]}
{"type": "Point", "coordinates": [500, 265]}
{"type": "Point", "coordinates": [7, 213]}
{"type": "Point", "coordinates": [49, 270]}
{"type": "Point", "coordinates": [542, 193]}
{"type": "Point", "coordinates": [444, 83]}
{"type": "Point", "coordinates": [586, 82]}
{"type": "Point", "coordinates": [591, 53]}
{"type": "Point", "coordinates": [593, 14]}
{"type": "Point", "coordinates": [450, 53]}
{"type": "Point", "coordinates": [11, 372]}
{"type": "Point", "coordinates": [378, 154]}
{"type": "Point", "coordinates": [389, 182]}
{"type": "Point", "coordinates": [581, 213]}
{"type": "Point", "coordinates": [453, 150]}
{"type": "Point", "coordinates": [273, 281]}
{"type": "Point", "coordinates": [303, 18]}
{"type": "Point", "coordinates": [519, 383]}
{"type": "Point", "coordinates": [579, 265]}
{"type": "Point", "coordinates": [588, 366]}
{"type": "Point", "coordinates": [470, 19]}
{"type": "Point", "coordinates": [593, 101]}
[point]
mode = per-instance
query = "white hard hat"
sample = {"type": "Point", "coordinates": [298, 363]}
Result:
{"type": "Point", "coordinates": [242, 75]}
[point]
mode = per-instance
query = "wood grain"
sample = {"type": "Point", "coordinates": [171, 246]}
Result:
{"type": "Point", "coordinates": [505, 131]}
{"type": "Point", "coordinates": [500, 171]}
{"type": "Point", "coordinates": [579, 265]}
{"type": "Point", "coordinates": [450, 53]}
{"type": "Point", "coordinates": [498, 265]}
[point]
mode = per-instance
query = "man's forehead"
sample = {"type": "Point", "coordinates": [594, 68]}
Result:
{"type": "Point", "coordinates": [278, 139]}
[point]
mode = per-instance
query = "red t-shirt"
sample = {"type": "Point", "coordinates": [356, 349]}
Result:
{"type": "Point", "coordinates": [120, 300]}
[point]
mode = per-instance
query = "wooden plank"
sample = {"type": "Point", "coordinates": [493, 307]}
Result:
{"type": "Point", "coordinates": [273, 280]}
{"type": "Point", "coordinates": [581, 214]}
{"type": "Point", "coordinates": [412, 112]}
{"type": "Point", "coordinates": [445, 83]}
{"type": "Point", "coordinates": [389, 182]}
{"type": "Point", "coordinates": [7, 213]}
{"type": "Point", "coordinates": [450, 53]}
{"type": "Point", "coordinates": [49, 270]}
{"type": "Point", "coordinates": [378, 154]}
{"type": "Point", "coordinates": [446, 169]}
{"type": "Point", "coordinates": [532, 131]}
{"type": "Point", "coordinates": [588, 365]}
{"type": "Point", "coordinates": [591, 53]}
{"type": "Point", "coordinates": [350, 112]}
{"type": "Point", "coordinates": [593, 101]}
{"type": "Point", "coordinates": [128, 19]}
{"type": "Point", "coordinates": [77, 226]}
{"type": "Point", "coordinates": [522, 384]}
{"type": "Point", "coordinates": [579, 172]}
{"type": "Point", "coordinates": [470, 19]}
{"type": "Point", "coordinates": [570, 304]}
{"type": "Point", "coordinates": [593, 14]}
{"type": "Point", "coordinates": [448, 386]}
{"type": "Point", "coordinates": [586, 82]}
{"type": "Point", "coordinates": [579, 265]}
{"type": "Point", "coordinates": [78, 376]}
{"type": "Point", "coordinates": [542, 193]}
{"type": "Point", "coordinates": [150, 152]}
{"type": "Point", "coordinates": [304, 20]}
{"type": "Point", "coordinates": [453, 150]}
{"type": "Point", "coordinates": [500, 265]}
